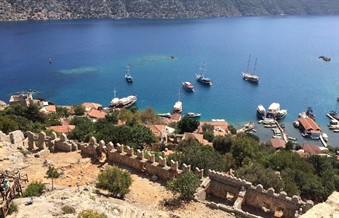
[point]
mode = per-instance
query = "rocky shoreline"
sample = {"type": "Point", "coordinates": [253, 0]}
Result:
{"type": "Point", "coordinates": [11, 10]}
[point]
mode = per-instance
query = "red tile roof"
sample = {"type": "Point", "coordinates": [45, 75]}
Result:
{"type": "Point", "coordinates": [62, 129]}
{"type": "Point", "coordinates": [309, 124]}
{"type": "Point", "coordinates": [311, 149]}
{"type": "Point", "coordinates": [198, 137]}
{"type": "Point", "coordinates": [91, 105]}
{"type": "Point", "coordinates": [156, 129]}
{"type": "Point", "coordinates": [278, 143]}
{"type": "Point", "coordinates": [50, 108]}
{"type": "Point", "coordinates": [96, 114]}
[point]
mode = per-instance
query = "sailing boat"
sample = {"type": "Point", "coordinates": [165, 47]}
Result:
{"type": "Point", "coordinates": [177, 108]}
{"type": "Point", "coordinates": [201, 78]}
{"type": "Point", "coordinates": [248, 76]}
{"type": "Point", "coordinates": [128, 77]}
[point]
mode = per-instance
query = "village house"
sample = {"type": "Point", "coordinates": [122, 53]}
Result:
{"type": "Point", "coordinates": [220, 127]}
{"type": "Point", "coordinates": [278, 143]}
{"type": "Point", "coordinates": [48, 109]}
{"type": "Point", "coordinates": [309, 128]}
{"type": "Point", "coordinates": [62, 128]}
{"type": "Point", "coordinates": [91, 106]}
{"type": "Point", "coordinates": [23, 99]}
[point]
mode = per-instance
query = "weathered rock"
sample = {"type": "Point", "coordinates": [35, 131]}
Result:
{"type": "Point", "coordinates": [16, 137]}
{"type": "Point", "coordinates": [4, 137]}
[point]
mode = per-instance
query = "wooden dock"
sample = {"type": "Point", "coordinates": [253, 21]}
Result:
{"type": "Point", "coordinates": [283, 133]}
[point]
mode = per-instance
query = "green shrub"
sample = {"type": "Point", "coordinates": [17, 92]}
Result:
{"type": "Point", "coordinates": [91, 214]}
{"type": "Point", "coordinates": [185, 185]}
{"type": "Point", "coordinates": [115, 180]}
{"type": "Point", "coordinates": [13, 208]}
{"type": "Point", "coordinates": [34, 189]}
{"type": "Point", "coordinates": [68, 209]}
{"type": "Point", "coordinates": [25, 152]}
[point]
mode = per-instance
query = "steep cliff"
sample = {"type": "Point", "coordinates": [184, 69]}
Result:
{"type": "Point", "coordinates": [71, 9]}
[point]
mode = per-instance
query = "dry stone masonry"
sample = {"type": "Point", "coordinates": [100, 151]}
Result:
{"type": "Point", "coordinates": [236, 195]}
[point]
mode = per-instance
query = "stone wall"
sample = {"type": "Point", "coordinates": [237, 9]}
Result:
{"type": "Point", "coordinates": [243, 194]}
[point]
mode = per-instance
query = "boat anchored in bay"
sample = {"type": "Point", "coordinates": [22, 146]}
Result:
{"type": "Point", "coordinates": [188, 86]}
{"type": "Point", "coordinates": [251, 77]}
{"type": "Point", "coordinates": [201, 78]}
{"type": "Point", "coordinates": [128, 77]}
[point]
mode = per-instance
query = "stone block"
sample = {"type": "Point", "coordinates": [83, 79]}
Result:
{"type": "Point", "coordinates": [16, 136]}
{"type": "Point", "coordinates": [4, 137]}
{"type": "Point", "coordinates": [92, 141]}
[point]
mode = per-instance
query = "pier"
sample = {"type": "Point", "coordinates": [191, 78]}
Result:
{"type": "Point", "coordinates": [323, 141]}
{"type": "Point", "coordinates": [283, 133]}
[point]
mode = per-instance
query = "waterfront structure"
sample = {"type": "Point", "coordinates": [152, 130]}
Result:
{"type": "Point", "coordinates": [309, 128]}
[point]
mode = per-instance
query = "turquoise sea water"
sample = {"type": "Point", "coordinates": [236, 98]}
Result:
{"type": "Point", "coordinates": [89, 59]}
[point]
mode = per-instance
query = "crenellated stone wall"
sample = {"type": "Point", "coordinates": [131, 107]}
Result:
{"type": "Point", "coordinates": [243, 194]}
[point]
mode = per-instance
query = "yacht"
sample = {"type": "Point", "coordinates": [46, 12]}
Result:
{"type": "Point", "coordinates": [280, 114]}
{"type": "Point", "coordinates": [192, 115]}
{"type": "Point", "coordinates": [251, 77]}
{"type": "Point", "coordinates": [123, 102]}
{"type": "Point", "coordinates": [261, 111]}
{"type": "Point", "coordinates": [272, 110]}
{"type": "Point", "coordinates": [201, 78]}
{"type": "Point", "coordinates": [177, 108]}
{"type": "Point", "coordinates": [188, 86]}
{"type": "Point", "coordinates": [128, 77]}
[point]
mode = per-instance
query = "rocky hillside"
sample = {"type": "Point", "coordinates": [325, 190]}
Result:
{"type": "Point", "coordinates": [72, 9]}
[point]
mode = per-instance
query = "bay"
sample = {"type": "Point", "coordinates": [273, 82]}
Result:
{"type": "Point", "coordinates": [89, 58]}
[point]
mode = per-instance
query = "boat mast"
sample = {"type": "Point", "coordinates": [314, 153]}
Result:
{"type": "Point", "coordinates": [115, 93]}
{"type": "Point", "coordinates": [248, 63]}
{"type": "Point", "coordinates": [255, 65]}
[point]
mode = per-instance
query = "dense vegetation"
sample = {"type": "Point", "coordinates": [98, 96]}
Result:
{"type": "Point", "coordinates": [312, 178]}
{"type": "Point", "coordinates": [185, 185]}
{"type": "Point", "coordinates": [56, 9]}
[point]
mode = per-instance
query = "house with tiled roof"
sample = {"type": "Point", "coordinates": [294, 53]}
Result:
{"type": "Point", "coordinates": [91, 106]}
{"type": "Point", "coordinates": [278, 143]}
{"type": "Point", "coordinates": [62, 128]}
{"type": "Point", "coordinates": [48, 109]}
{"type": "Point", "coordinates": [96, 114]}
{"type": "Point", "coordinates": [220, 127]}
{"type": "Point", "coordinates": [196, 136]}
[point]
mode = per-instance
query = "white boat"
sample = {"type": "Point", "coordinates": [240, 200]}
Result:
{"type": "Point", "coordinates": [272, 109]}
{"type": "Point", "coordinates": [280, 114]}
{"type": "Point", "coordinates": [325, 137]}
{"type": "Point", "coordinates": [167, 115]}
{"type": "Point", "coordinates": [123, 102]}
{"type": "Point", "coordinates": [188, 86]}
{"type": "Point", "coordinates": [296, 124]}
{"type": "Point", "coordinates": [177, 108]}
{"type": "Point", "coordinates": [251, 77]}
{"type": "Point", "coordinates": [192, 115]}
{"type": "Point", "coordinates": [261, 111]}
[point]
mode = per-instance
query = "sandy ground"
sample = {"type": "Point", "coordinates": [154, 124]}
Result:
{"type": "Point", "coordinates": [76, 187]}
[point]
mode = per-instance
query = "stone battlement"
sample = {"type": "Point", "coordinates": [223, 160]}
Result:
{"type": "Point", "coordinates": [235, 191]}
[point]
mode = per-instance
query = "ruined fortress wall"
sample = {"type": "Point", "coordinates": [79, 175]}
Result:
{"type": "Point", "coordinates": [217, 184]}
{"type": "Point", "coordinates": [258, 197]}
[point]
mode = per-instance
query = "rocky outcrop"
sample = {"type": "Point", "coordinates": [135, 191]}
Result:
{"type": "Point", "coordinates": [16, 137]}
{"type": "Point", "coordinates": [330, 208]}
{"type": "Point", "coordinates": [64, 9]}
{"type": "Point", "coordinates": [4, 137]}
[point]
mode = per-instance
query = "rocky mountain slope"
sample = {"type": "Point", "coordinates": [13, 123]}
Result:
{"type": "Point", "coordinates": [72, 9]}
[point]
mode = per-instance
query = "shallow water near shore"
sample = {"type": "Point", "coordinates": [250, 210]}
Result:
{"type": "Point", "coordinates": [89, 58]}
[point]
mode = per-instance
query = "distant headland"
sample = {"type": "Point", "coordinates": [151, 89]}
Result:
{"type": "Point", "coordinates": [11, 10]}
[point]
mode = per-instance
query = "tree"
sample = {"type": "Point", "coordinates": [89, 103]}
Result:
{"type": "Point", "coordinates": [149, 116]}
{"type": "Point", "coordinates": [187, 124]}
{"type": "Point", "coordinates": [78, 109]}
{"type": "Point", "coordinates": [7, 124]}
{"type": "Point", "coordinates": [222, 144]}
{"type": "Point", "coordinates": [83, 130]}
{"type": "Point", "coordinates": [185, 185]}
{"type": "Point", "coordinates": [52, 173]}
{"type": "Point", "coordinates": [115, 180]}
{"type": "Point", "coordinates": [232, 129]}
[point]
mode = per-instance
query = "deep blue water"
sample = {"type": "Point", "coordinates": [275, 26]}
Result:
{"type": "Point", "coordinates": [89, 59]}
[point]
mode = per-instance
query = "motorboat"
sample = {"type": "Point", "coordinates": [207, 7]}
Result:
{"type": "Point", "coordinates": [273, 109]}
{"type": "Point", "coordinates": [128, 77]}
{"type": "Point", "coordinates": [310, 114]}
{"type": "Point", "coordinates": [177, 108]}
{"type": "Point", "coordinates": [166, 115]}
{"type": "Point", "coordinates": [280, 114]}
{"type": "Point", "coordinates": [188, 86]}
{"type": "Point", "coordinates": [261, 111]}
{"type": "Point", "coordinates": [192, 115]}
